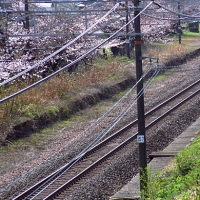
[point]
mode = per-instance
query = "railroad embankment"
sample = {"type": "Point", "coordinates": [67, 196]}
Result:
{"type": "Point", "coordinates": [29, 126]}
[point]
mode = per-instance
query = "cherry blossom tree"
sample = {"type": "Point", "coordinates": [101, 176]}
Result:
{"type": "Point", "coordinates": [21, 47]}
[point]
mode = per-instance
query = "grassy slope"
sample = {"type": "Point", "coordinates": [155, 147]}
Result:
{"type": "Point", "coordinates": [182, 180]}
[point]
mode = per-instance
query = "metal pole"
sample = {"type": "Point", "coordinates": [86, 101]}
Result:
{"type": "Point", "coordinates": [127, 36]}
{"type": "Point", "coordinates": [140, 103]}
{"type": "Point", "coordinates": [86, 19]}
{"type": "Point", "coordinates": [26, 14]}
{"type": "Point", "coordinates": [179, 24]}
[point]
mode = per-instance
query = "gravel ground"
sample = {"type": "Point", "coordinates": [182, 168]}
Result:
{"type": "Point", "coordinates": [22, 162]}
{"type": "Point", "coordinates": [115, 176]}
{"type": "Point", "coordinates": [124, 168]}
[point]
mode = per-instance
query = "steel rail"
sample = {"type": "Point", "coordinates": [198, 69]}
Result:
{"type": "Point", "coordinates": [105, 141]}
{"type": "Point", "coordinates": [91, 167]}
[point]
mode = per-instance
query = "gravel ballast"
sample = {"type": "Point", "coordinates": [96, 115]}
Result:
{"type": "Point", "coordinates": [123, 168]}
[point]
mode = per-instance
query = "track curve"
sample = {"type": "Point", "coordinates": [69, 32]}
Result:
{"type": "Point", "coordinates": [64, 179]}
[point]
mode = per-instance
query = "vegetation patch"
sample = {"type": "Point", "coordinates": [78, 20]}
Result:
{"type": "Point", "coordinates": [67, 93]}
{"type": "Point", "coordinates": [182, 180]}
{"type": "Point", "coordinates": [159, 78]}
{"type": "Point", "coordinates": [54, 113]}
{"type": "Point", "coordinates": [181, 59]}
{"type": "Point", "coordinates": [190, 34]}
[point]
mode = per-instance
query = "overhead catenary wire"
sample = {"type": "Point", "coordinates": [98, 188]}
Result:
{"type": "Point", "coordinates": [154, 75]}
{"type": "Point", "coordinates": [82, 132]}
{"type": "Point", "coordinates": [101, 135]}
{"type": "Point", "coordinates": [163, 68]}
{"type": "Point", "coordinates": [177, 13]}
{"type": "Point", "coordinates": [171, 11]}
{"type": "Point", "coordinates": [67, 66]}
{"type": "Point", "coordinates": [141, 93]}
{"type": "Point", "coordinates": [165, 18]}
{"type": "Point", "coordinates": [114, 122]}
{"type": "Point", "coordinates": [82, 153]}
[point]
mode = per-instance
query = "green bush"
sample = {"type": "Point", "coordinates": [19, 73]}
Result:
{"type": "Point", "coordinates": [182, 181]}
{"type": "Point", "coordinates": [188, 160]}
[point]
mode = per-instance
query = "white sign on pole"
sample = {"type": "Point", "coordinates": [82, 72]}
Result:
{"type": "Point", "coordinates": [140, 138]}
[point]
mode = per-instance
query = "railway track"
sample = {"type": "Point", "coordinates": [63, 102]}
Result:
{"type": "Point", "coordinates": [62, 182]}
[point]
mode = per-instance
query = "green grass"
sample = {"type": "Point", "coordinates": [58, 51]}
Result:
{"type": "Point", "coordinates": [39, 139]}
{"type": "Point", "coordinates": [187, 33]}
{"type": "Point", "coordinates": [35, 141]}
{"type": "Point", "coordinates": [159, 78]}
{"type": "Point", "coordinates": [123, 59]}
{"type": "Point", "coordinates": [182, 180]}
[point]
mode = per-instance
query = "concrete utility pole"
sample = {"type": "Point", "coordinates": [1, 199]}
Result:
{"type": "Point", "coordinates": [141, 138]}
{"type": "Point", "coordinates": [26, 15]}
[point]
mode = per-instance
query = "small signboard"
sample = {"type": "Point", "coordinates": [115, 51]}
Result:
{"type": "Point", "coordinates": [140, 138]}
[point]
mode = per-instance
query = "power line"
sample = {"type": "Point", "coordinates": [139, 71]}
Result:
{"type": "Point", "coordinates": [97, 120]}
{"type": "Point", "coordinates": [56, 52]}
{"type": "Point", "coordinates": [59, 50]}
{"type": "Point", "coordinates": [72, 13]}
{"type": "Point", "coordinates": [168, 19]}
{"type": "Point", "coordinates": [177, 13]}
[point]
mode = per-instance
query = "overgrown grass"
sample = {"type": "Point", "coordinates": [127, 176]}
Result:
{"type": "Point", "coordinates": [172, 49]}
{"type": "Point", "coordinates": [50, 95]}
{"type": "Point", "coordinates": [182, 180]}
{"type": "Point", "coordinates": [165, 52]}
